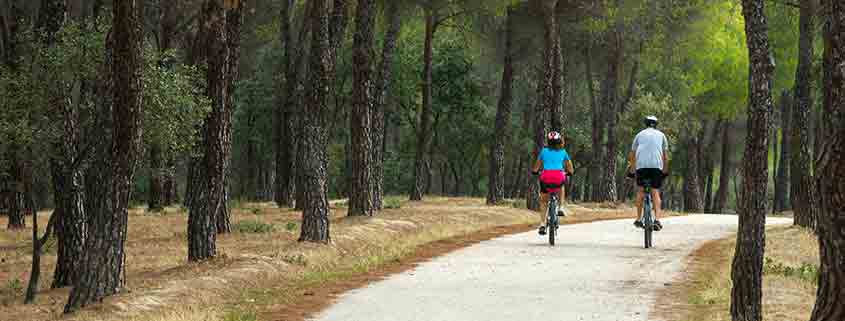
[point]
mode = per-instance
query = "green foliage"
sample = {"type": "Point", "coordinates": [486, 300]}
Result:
{"type": "Point", "coordinates": [291, 226]}
{"type": "Point", "coordinates": [253, 227]}
{"type": "Point", "coordinates": [240, 315]}
{"type": "Point", "coordinates": [174, 103]}
{"type": "Point", "coordinates": [393, 202]}
{"type": "Point", "coordinates": [806, 272]}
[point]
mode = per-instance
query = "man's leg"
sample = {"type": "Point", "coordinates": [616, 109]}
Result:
{"type": "Point", "coordinates": [655, 195]}
{"type": "Point", "coordinates": [640, 197]}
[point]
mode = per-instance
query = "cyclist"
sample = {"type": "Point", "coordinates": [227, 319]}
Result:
{"type": "Point", "coordinates": [648, 161]}
{"type": "Point", "coordinates": [553, 159]}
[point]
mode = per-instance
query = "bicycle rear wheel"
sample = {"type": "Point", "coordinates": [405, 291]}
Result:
{"type": "Point", "coordinates": [648, 223]}
{"type": "Point", "coordinates": [648, 232]}
{"type": "Point", "coordinates": [553, 222]}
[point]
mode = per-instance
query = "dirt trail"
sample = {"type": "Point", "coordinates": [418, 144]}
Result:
{"type": "Point", "coordinates": [598, 271]}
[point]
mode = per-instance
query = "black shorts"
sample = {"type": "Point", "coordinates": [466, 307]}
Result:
{"type": "Point", "coordinates": [652, 175]}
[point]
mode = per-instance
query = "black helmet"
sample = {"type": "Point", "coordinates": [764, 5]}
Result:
{"type": "Point", "coordinates": [650, 121]}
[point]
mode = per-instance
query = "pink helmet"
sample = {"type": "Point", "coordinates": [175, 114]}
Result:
{"type": "Point", "coordinates": [554, 138]}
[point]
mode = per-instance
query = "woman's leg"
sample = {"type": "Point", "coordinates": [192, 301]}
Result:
{"type": "Point", "coordinates": [544, 208]}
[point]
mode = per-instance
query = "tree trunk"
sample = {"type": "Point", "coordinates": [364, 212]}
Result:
{"type": "Point", "coordinates": [209, 199]}
{"type": "Point", "coordinates": [312, 160]}
{"type": "Point", "coordinates": [424, 130]}
{"type": "Point", "coordinates": [720, 200]}
{"type": "Point", "coordinates": [102, 272]}
{"type": "Point", "coordinates": [710, 164]}
{"type": "Point", "coordinates": [610, 92]}
{"type": "Point", "coordinates": [598, 125]}
{"type": "Point", "coordinates": [72, 228]}
{"type": "Point", "coordinates": [282, 128]}
{"type": "Point", "coordinates": [361, 191]}
{"type": "Point", "coordinates": [692, 181]}
{"type": "Point", "coordinates": [295, 107]}
{"type": "Point", "coordinates": [803, 186]}
{"type": "Point", "coordinates": [747, 269]}
{"type": "Point", "coordinates": [501, 134]}
{"type": "Point", "coordinates": [16, 208]}
{"type": "Point", "coordinates": [831, 166]}
{"type": "Point", "coordinates": [382, 88]}
{"type": "Point", "coordinates": [156, 181]}
{"type": "Point", "coordinates": [782, 187]}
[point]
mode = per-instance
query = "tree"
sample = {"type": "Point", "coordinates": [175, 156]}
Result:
{"type": "Point", "coordinates": [282, 192]}
{"type": "Point", "coordinates": [501, 134]}
{"type": "Point", "coordinates": [803, 186]}
{"type": "Point", "coordinates": [312, 161]}
{"type": "Point", "coordinates": [208, 214]}
{"type": "Point", "coordinates": [747, 269]}
{"type": "Point", "coordinates": [720, 201]}
{"type": "Point", "coordinates": [831, 167]}
{"type": "Point", "coordinates": [102, 269]}
{"type": "Point", "coordinates": [610, 101]}
{"type": "Point", "coordinates": [422, 163]}
{"type": "Point", "coordinates": [382, 88]}
{"type": "Point", "coordinates": [361, 190]}
{"type": "Point", "coordinates": [781, 202]}
{"type": "Point", "coordinates": [692, 181]}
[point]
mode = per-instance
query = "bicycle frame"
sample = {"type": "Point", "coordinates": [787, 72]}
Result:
{"type": "Point", "coordinates": [648, 216]}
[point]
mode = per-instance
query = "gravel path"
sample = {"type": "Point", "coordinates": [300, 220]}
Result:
{"type": "Point", "coordinates": [598, 271]}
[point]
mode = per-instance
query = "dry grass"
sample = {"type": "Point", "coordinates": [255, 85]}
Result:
{"type": "Point", "coordinates": [707, 288]}
{"type": "Point", "coordinates": [254, 272]}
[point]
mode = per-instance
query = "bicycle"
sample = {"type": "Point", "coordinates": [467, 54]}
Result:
{"type": "Point", "coordinates": [552, 220]}
{"type": "Point", "coordinates": [648, 219]}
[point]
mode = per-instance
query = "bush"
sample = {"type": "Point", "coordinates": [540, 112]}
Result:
{"type": "Point", "coordinates": [254, 227]}
{"type": "Point", "coordinates": [291, 226]}
{"type": "Point", "coordinates": [805, 272]}
{"type": "Point", "coordinates": [392, 202]}
{"type": "Point", "coordinates": [240, 315]}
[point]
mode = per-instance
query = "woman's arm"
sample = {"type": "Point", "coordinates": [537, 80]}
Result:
{"type": "Point", "coordinates": [569, 168]}
{"type": "Point", "coordinates": [537, 165]}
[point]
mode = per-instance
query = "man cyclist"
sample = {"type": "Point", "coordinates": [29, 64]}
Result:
{"type": "Point", "coordinates": [648, 161]}
{"type": "Point", "coordinates": [553, 159]}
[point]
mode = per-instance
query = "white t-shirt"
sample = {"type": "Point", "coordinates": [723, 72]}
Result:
{"type": "Point", "coordinates": [649, 146]}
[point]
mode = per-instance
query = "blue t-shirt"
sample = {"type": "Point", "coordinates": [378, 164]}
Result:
{"type": "Point", "coordinates": [553, 160]}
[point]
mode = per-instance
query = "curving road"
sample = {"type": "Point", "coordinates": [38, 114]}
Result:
{"type": "Point", "coordinates": [598, 271]}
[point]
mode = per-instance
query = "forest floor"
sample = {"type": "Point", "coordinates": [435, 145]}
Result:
{"type": "Point", "coordinates": [262, 272]}
{"type": "Point", "coordinates": [789, 280]}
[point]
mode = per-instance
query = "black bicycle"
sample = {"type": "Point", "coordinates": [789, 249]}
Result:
{"type": "Point", "coordinates": [648, 215]}
{"type": "Point", "coordinates": [552, 220]}
{"type": "Point", "coordinates": [649, 220]}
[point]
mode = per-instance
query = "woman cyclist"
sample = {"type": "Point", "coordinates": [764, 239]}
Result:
{"type": "Point", "coordinates": [553, 160]}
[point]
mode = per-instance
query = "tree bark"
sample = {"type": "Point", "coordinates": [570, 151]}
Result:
{"type": "Point", "coordinates": [281, 129]}
{"type": "Point", "coordinates": [831, 166]}
{"type": "Point", "coordinates": [382, 88]}
{"type": "Point", "coordinates": [805, 199]}
{"type": "Point", "coordinates": [156, 182]}
{"type": "Point", "coordinates": [747, 269]}
{"type": "Point", "coordinates": [692, 181]}
{"type": "Point", "coordinates": [782, 187]}
{"type": "Point", "coordinates": [421, 160]}
{"type": "Point", "coordinates": [312, 161]}
{"type": "Point", "coordinates": [102, 272]}
{"type": "Point", "coordinates": [209, 199]}
{"type": "Point", "coordinates": [501, 134]}
{"type": "Point", "coordinates": [598, 125]}
{"type": "Point", "coordinates": [16, 209]}
{"type": "Point", "coordinates": [709, 165]}
{"type": "Point", "coordinates": [610, 94]}
{"type": "Point", "coordinates": [294, 93]}
{"type": "Point", "coordinates": [720, 200]}
{"type": "Point", "coordinates": [361, 191]}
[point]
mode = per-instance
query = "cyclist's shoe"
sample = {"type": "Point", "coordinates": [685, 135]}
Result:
{"type": "Point", "coordinates": [561, 212]}
{"type": "Point", "coordinates": [638, 224]}
{"type": "Point", "coordinates": [657, 226]}
{"type": "Point", "coordinates": [542, 230]}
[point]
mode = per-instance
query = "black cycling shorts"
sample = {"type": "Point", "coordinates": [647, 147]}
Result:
{"type": "Point", "coordinates": [652, 175]}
